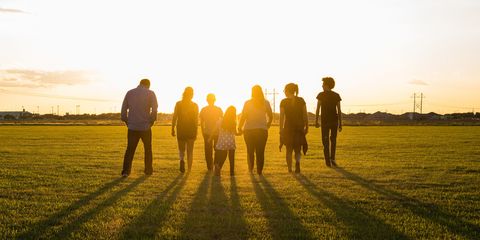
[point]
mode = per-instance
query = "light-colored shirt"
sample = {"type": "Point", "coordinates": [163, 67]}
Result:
{"type": "Point", "coordinates": [209, 117]}
{"type": "Point", "coordinates": [139, 108]}
{"type": "Point", "coordinates": [256, 117]}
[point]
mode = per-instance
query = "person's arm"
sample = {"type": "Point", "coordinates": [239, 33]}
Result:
{"type": "Point", "coordinates": [174, 119]}
{"type": "Point", "coordinates": [153, 113]}
{"type": "Point", "coordinates": [339, 110]}
{"type": "Point", "coordinates": [124, 112]}
{"type": "Point", "coordinates": [195, 117]}
{"type": "Point", "coordinates": [282, 118]}
{"type": "Point", "coordinates": [202, 120]}
{"type": "Point", "coordinates": [317, 113]}
{"type": "Point", "coordinates": [269, 114]}
{"type": "Point", "coordinates": [243, 118]}
{"type": "Point", "coordinates": [305, 118]}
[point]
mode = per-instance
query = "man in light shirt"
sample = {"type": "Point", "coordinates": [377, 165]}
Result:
{"type": "Point", "coordinates": [139, 112]}
{"type": "Point", "coordinates": [209, 117]}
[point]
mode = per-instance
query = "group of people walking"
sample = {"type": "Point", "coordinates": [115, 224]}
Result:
{"type": "Point", "coordinates": [139, 112]}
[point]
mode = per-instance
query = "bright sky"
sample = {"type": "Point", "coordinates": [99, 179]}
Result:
{"type": "Point", "coordinates": [89, 53]}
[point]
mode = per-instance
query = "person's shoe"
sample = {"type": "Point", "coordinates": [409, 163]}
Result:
{"type": "Point", "coordinates": [297, 167]}
{"type": "Point", "coordinates": [124, 175]}
{"type": "Point", "coordinates": [182, 166]}
{"type": "Point", "coordinates": [334, 163]}
{"type": "Point", "coordinates": [327, 162]}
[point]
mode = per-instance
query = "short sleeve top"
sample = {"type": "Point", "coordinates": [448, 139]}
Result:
{"type": "Point", "coordinates": [328, 102]}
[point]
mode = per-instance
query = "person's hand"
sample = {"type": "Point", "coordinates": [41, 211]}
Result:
{"type": "Point", "coordinates": [173, 132]}
{"type": "Point", "coordinates": [317, 125]}
{"type": "Point", "coordinates": [269, 125]}
{"type": "Point", "coordinates": [240, 131]}
{"type": "Point", "coordinates": [126, 122]}
{"type": "Point", "coordinates": [305, 130]}
{"type": "Point", "coordinates": [340, 128]}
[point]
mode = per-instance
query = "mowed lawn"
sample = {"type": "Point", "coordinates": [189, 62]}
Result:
{"type": "Point", "coordinates": [62, 182]}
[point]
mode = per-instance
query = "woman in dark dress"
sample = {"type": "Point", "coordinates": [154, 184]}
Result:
{"type": "Point", "coordinates": [185, 119]}
{"type": "Point", "coordinates": [293, 125]}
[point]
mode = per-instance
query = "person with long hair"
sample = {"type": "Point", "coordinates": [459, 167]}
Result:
{"type": "Point", "coordinates": [293, 125]}
{"type": "Point", "coordinates": [254, 125]}
{"type": "Point", "coordinates": [185, 119]}
{"type": "Point", "coordinates": [227, 130]}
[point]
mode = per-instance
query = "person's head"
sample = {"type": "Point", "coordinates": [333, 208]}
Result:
{"type": "Point", "coordinates": [229, 122]}
{"type": "Point", "coordinates": [291, 90]}
{"type": "Point", "coordinates": [187, 94]}
{"type": "Point", "coordinates": [145, 83]}
{"type": "Point", "coordinates": [257, 96]}
{"type": "Point", "coordinates": [211, 99]}
{"type": "Point", "coordinates": [328, 83]}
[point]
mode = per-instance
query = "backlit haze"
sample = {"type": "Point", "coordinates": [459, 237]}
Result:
{"type": "Point", "coordinates": [89, 53]}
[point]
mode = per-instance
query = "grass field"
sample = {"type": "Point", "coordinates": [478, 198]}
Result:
{"type": "Point", "coordinates": [394, 183]}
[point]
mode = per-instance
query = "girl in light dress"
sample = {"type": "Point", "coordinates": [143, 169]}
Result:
{"type": "Point", "coordinates": [226, 128]}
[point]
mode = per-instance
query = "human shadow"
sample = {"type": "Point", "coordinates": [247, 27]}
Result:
{"type": "Point", "coordinates": [84, 217]}
{"type": "Point", "coordinates": [43, 227]}
{"type": "Point", "coordinates": [147, 224]}
{"type": "Point", "coordinates": [427, 211]}
{"type": "Point", "coordinates": [237, 216]}
{"type": "Point", "coordinates": [282, 222]}
{"type": "Point", "coordinates": [197, 219]}
{"type": "Point", "coordinates": [360, 224]}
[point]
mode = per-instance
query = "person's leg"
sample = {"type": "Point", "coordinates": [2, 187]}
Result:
{"type": "Point", "coordinates": [250, 142]}
{"type": "Point", "coordinates": [333, 140]}
{"type": "Point", "coordinates": [181, 152]}
{"type": "Point", "coordinates": [262, 136]}
{"type": "Point", "coordinates": [190, 145]}
{"type": "Point", "coordinates": [220, 156]}
{"type": "Point", "coordinates": [289, 158]}
{"type": "Point", "coordinates": [132, 142]}
{"type": "Point", "coordinates": [208, 151]}
{"type": "Point", "coordinates": [326, 144]}
{"type": "Point", "coordinates": [231, 158]}
{"type": "Point", "coordinates": [146, 137]}
{"type": "Point", "coordinates": [298, 156]}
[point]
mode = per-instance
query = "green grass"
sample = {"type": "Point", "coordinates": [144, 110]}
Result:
{"type": "Point", "coordinates": [394, 183]}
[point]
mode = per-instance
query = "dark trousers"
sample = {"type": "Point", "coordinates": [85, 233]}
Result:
{"type": "Point", "coordinates": [209, 145]}
{"type": "Point", "coordinates": [221, 156]}
{"type": "Point", "coordinates": [133, 138]}
{"type": "Point", "coordinates": [256, 140]}
{"type": "Point", "coordinates": [329, 147]}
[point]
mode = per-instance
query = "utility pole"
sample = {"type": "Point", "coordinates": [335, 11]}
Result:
{"type": "Point", "coordinates": [274, 94]}
{"type": "Point", "coordinates": [417, 105]}
{"type": "Point", "coordinates": [58, 110]}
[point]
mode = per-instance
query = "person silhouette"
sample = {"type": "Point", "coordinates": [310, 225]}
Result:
{"type": "Point", "coordinates": [139, 112]}
{"type": "Point", "coordinates": [331, 119]}
{"type": "Point", "coordinates": [254, 125]}
{"type": "Point", "coordinates": [209, 117]}
{"type": "Point", "coordinates": [227, 130]}
{"type": "Point", "coordinates": [185, 119]}
{"type": "Point", "coordinates": [293, 125]}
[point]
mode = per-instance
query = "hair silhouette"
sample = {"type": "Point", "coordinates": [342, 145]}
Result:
{"type": "Point", "coordinates": [229, 122]}
{"type": "Point", "coordinates": [187, 94]}
{"type": "Point", "coordinates": [258, 96]}
{"type": "Point", "coordinates": [329, 81]}
{"type": "Point", "coordinates": [145, 82]}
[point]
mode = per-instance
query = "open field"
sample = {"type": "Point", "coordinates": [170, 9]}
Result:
{"type": "Point", "coordinates": [394, 183]}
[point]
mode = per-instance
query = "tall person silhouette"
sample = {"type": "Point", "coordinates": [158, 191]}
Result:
{"type": "Point", "coordinates": [185, 119]}
{"type": "Point", "coordinates": [254, 125]}
{"type": "Point", "coordinates": [209, 116]}
{"type": "Point", "coordinates": [139, 112]}
{"type": "Point", "coordinates": [331, 119]}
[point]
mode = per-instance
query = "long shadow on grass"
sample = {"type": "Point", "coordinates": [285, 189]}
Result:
{"type": "Point", "coordinates": [148, 223]}
{"type": "Point", "coordinates": [427, 211]}
{"type": "Point", "coordinates": [282, 222]}
{"type": "Point", "coordinates": [360, 224]}
{"type": "Point", "coordinates": [214, 216]}
{"type": "Point", "coordinates": [76, 223]}
{"type": "Point", "coordinates": [40, 228]}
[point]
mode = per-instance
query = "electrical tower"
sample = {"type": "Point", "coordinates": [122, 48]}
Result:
{"type": "Point", "coordinates": [417, 105]}
{"type": "Point", "coordinates": [274, 94]}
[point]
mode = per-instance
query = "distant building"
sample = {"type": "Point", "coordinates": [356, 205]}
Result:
{"type": "Point", "coordinates": [14, 115]}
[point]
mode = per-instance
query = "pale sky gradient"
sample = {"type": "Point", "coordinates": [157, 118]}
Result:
{"type": "Point", "coordinates": [89, 53]}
